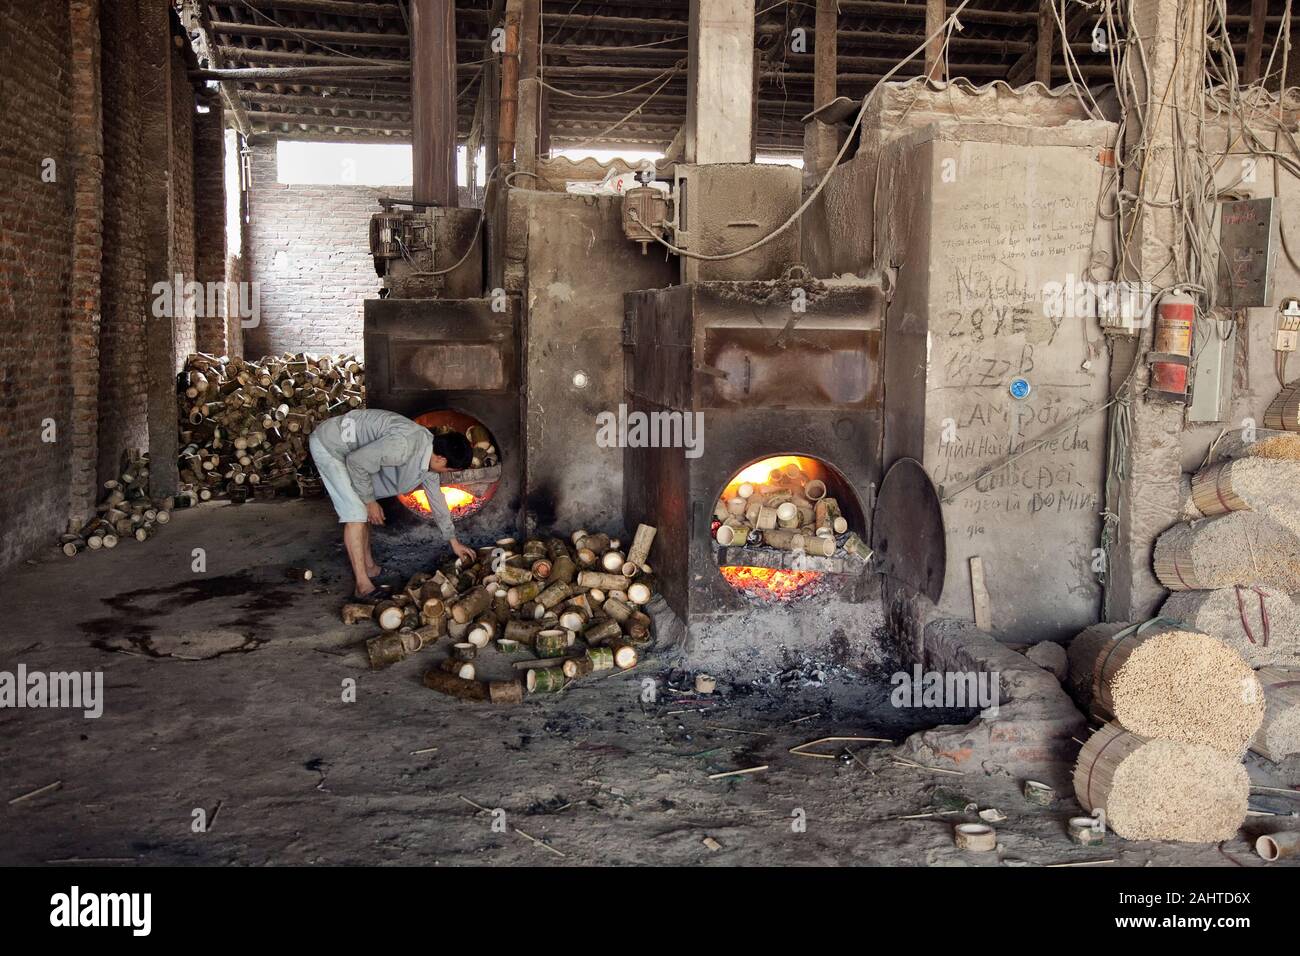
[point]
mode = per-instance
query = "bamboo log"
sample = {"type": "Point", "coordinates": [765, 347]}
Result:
{"type": "Point", "coordinates": [601, 632]}
{"type": "Point", "coordinates": [639, 553]}
{"type": "Point", "coordinates": [458, 687]}
{"type": "Point", "coordinates": [625, 655]}
{"type": "Point", "coordinates": [598, 579]}
{"type": "Point", "coordinates": [506, 692]}
{"type": "Point", "coordinates": [465, 670]}
{"type": "Point", "coordinates": [471, 605]}
{"type": "Point", "coordinates": [551, 643]}
{"type": "Point", "coordinates": [828, 515]}
{"type": "Point", "coordinates": [575, 667]}
{"type": "Point", "coordinates": [545, 680]}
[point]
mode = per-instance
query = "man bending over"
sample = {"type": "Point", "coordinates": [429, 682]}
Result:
{"type": "Point", "coordinates": [369, 454]}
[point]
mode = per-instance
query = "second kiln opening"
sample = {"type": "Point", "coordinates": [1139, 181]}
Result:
{"type": "Point", "coordinates": [467, 491]}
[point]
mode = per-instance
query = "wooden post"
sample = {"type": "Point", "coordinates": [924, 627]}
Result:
{"type": "Point", "coordinates": [509, 87]}
{"type": "Point", "coordinates": [526, 124]}
{"type": "Point", "coordinates": [935, 13]}
{"type": "Point", "coordinates": [433, 101]}
{"type": "Point", "coordinates": [1046, 42]}
{"type": "Point", "coordinates": [719, 86]}
{"type": "Point", "coordinates": [1254, 42]}
{"type": "Point", "coordinates": [821, 140]}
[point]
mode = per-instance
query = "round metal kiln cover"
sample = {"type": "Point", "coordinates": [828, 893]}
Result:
{"type": "Point", "coordinates": [907, 530]}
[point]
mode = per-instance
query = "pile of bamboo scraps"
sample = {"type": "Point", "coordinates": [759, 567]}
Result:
{"type": "Point", "coordinates": [125, 511]}
{"type": "Point", "coordinates": [562, 608]}
{"type": "Point", "coordinates": [244, 425]}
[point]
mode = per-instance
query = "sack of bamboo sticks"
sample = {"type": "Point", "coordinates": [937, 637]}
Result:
{"type": "Point", "coordinates": [1241, 547]}
{"type": "Point", "coordinates": [1260, 623]}
{"type": "Point", "coordinates": [1247, 484]}
{"type": "Point", "coordinates": [1158, 679]}
{"type": "Point", "coordinates": [1153, 789]}
{"type": "Point", "coordinates": [1283, 413]}
{"type": "Point", "coordinates": [1279, 735]}
{"type": "Point", "coordinates": [1257, 443]}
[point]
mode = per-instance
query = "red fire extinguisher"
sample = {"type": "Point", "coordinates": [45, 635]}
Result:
{"type": "Point", "coordinates": [1171, 354]}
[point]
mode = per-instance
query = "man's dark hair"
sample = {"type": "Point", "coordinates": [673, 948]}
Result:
{"type": "Point", "coordinates": [455, 448]}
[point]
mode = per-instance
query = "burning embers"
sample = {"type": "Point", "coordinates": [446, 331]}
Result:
{"type": "Point", "coordinates": [466, 492]}
{"type": "Point", "coordinates": [780, 527]}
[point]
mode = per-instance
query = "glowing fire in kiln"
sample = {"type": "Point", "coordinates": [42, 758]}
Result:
{"type": "Point", "coordinates": [459, 501]}
{"type": "Point", "coordinates": [780, 472]}
{"type": "Point", "coordinates": [772, 583]}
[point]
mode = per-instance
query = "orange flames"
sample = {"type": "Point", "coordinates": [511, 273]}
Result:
{"type": "Point", "coordinates": [760, 472]}
{"type": "Point", "coordinates": [771, 583]}
{"type": "Point", "coordinates": [459, 501]}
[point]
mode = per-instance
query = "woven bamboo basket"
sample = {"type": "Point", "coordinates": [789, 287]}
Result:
{"type": "Point", "coordinates": [1161, 789]}
{"type": "Point", "coordinates": [1279, 734]}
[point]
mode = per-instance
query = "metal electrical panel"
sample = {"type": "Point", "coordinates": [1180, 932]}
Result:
{"type": "Point", "coordinates": [1214, 347]}
{"type": "Point", "coordinates": [1246, 253]}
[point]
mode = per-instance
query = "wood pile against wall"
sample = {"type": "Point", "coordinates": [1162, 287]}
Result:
{"type": "Point", "coordinates": [244, 425]}
{"type": "Point", "coordinates": [556, 610]}
{"type": "Point", "coordinates": [1161, 789]}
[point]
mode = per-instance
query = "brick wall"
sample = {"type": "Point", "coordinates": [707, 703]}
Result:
{"type": "Point", "coordinates": [123, 386]}
{"type": "Point", "coordinates": [36, 243]}
{"type": "Point", "coordinates": [309, 249]}
{"type": "Point", "coordinates": [75, 289]}
{"type": "Point", "coordinates": [210, 221]}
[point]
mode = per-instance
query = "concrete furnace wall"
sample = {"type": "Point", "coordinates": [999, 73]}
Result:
{"type": "Point", "coordinates": [981, 218]}
{"type": "Point", "coordinates": [579, 264]}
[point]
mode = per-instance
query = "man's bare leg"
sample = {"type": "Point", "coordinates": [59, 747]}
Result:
{"type": "Point", "coordinates": [372, 566]}
{"type": "Point", "coordinates": [355, 535]}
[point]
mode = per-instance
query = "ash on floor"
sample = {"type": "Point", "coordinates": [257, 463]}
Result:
{"type": "Point", "coordinates": [290, 751]}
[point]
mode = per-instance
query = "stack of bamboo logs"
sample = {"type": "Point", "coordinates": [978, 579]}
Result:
{"type": "Point", "coordinates": [790, 511]}
{"type": "Point", "coordinates": [244, 425]}
{"type": "Point", "coordinates": [125, 511]}
{"type": "Point", "coordinates": [574, 606]}
{"type": "Point", "coordinates": [1283, 413]}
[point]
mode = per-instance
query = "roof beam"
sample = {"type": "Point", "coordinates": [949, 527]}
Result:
{"type": "Point", "coordinates": [345, 37]}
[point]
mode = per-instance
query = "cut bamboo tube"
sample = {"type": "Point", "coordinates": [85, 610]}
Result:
{"type": "Point", "coordinates": [458, 687]}
{"type": "Point", "coordinates": [545, 680]}
{"type": "Point", "coordinates": [599, 579]}
{"type": "Point", "coordinates": [458, 668]}
{"type": "Point", "coordinates": [471, 605]}
{"type": "Point", "coordinates": [506, 691]}
{"type": "Point", "coordinates": [356, 613]}
{"type": "Point", "coordinates": [639, 553]}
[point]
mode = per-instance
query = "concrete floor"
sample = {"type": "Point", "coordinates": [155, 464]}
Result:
{"type": "Point", "coordinates": [223, 692]}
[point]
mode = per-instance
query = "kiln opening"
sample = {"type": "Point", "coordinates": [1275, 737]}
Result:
{"type": "Point", "coordinates": [785, 526]}
{"type": "Point", "coordinates": [468, 490]}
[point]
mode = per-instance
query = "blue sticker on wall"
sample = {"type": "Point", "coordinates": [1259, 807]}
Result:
{"type": "Point", "coordinates": [1020, 388]}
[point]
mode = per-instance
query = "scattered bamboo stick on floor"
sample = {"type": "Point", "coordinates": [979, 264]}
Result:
{"type": "Point", "coordinates": [799, 751]}
{"type": "Point", "coordinates": [426, 750]}
{"type": "Point", "coordinates": [544, 845]}
{"type": "Point", "coordinates": [476, 806]}
{"type": "Point", "coordinates": [736, 773]}
{"type": "Point", "coordinates": [1053, 866]}
{"type": "Point", "coordinates": [920, 766]}
{"type": "Point", "coordinates": [37, 792]}
{"type": "Point", "coordinates": [737, 730]}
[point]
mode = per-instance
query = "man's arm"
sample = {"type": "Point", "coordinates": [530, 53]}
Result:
{"type": "Point", "coordinates": [364, 463]}
{"type": "Point", "coordinates": [438, 507]}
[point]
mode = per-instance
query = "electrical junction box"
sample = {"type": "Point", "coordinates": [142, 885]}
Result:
{"type": "Point", "coordinates": [1214, 347]}
{"type": "Point", "coordinates": [1246, 252]}
{"type": "Point", "coordinates": [1123, 308]}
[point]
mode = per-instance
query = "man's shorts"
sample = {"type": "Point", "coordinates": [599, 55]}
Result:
{"type": "Point", "coordinates": [334, 475]}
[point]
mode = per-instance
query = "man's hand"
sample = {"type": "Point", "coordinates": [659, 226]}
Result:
{"type": "Point", "coordinates": [374, 513]}
{"type": "Point", "coordinates": [463, 552]}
